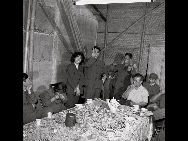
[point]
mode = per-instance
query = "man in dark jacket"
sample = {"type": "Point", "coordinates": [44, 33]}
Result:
{"type": "Point", "coordinates": [94, 69]}
{"type": "Point", "coordinates": [125, 72]}
{"type": "Point", "coordinates": [30, 110]}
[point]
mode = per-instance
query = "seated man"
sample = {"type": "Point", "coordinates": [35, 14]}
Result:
{"type": "Point", "coordinates": [30, 111]}
{"type": "Point", "coordinates": [55, 97]}
{"type": "Point", "coordinates": [135, 94]}
{"type": "Point", "coordinates": [152, 87]}
{"type": "Point", "coordinates": [157, 105]}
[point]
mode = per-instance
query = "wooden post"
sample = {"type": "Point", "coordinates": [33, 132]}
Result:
{"type": "Point", "coordinates": [105, 32]}
{"type": "Point", "coordinates": [26, 41]}
{"type": "Point", "coordinates": [142, 38]}
{"type": "Point", "coordinates": [31, 41]}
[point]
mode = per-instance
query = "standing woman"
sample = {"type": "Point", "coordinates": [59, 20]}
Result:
{"type": "Point", "coordinates": [75, 78]}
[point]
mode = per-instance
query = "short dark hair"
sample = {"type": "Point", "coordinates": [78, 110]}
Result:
{"type": "Point", "coordinates": [76, 54]}
{"type": "Point", "coordinates": [96, 47]}
{"type": "Point", "coordinates": [25, 76]}
{"type": "Point", "coordinates": [129, 54]}
{"type": "Point", "coordinates": [56, 86]}
{"type": "Point", "coordinates": [139, 75]}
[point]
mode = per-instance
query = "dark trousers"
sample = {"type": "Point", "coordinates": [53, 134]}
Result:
{"type": "Point", "coordinates": [72, 99]}
{"type": "Point", "coordinates": [92, 93]}
{"type": "Point", "coordinates": [118, 93]}
{"type": "Point", "coordinates": [106, 94]}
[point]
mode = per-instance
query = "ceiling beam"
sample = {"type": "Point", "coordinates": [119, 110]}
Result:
{"type": "Point", "coordinates": [96, 9]}
{"type": "Point", "coordinates": [123, 32]}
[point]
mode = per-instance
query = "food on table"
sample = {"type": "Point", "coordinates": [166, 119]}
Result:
{"type": "Point", "coordinates": [95, 118]}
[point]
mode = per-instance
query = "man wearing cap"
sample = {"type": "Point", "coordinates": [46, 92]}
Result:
{"type": "Point", "coordinates": [152, 87]}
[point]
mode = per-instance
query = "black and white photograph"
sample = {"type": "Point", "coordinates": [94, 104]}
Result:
{"type": "Point", "coordinates": [93, 70]}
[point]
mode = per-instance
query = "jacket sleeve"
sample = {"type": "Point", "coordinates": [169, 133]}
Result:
{"type": "Point", "coordinates": [82, 78]}
{"type": "Point", "coordinates": [46, 98]}
{"type": "Point", "coordinates": [33, 98]}
{"type": "Point", "coordinates": [90, 62]}
{"type": "Point", "coordinates": [71, 78]}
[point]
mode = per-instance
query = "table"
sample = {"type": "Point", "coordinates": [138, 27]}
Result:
{"type": "Point", "coordinates": [95, 123]}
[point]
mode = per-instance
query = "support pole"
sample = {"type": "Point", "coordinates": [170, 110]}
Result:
{"type": "Point", "coordinates": [100, 13]}
{"type": "Point", "coordinates": [31, 41]}
{"type": "Point", "coordinates": [142, 38]}
{"type": "Point", "coordinates": [105, 32]}
{"type": "Point", "coordinates": [26, 41]}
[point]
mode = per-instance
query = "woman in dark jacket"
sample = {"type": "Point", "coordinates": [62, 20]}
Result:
{"type": "Point", "coordinates": [75, 78]}
{"type": "Point", "coordinates": [55, 97]}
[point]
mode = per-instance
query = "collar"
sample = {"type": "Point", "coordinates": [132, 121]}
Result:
{"type": "Point", "coordinates": [138, 87]}
{"type": "Point", "coordinates": [76, 65]}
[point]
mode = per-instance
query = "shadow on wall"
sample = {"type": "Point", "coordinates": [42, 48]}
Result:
{"type": "Point", "coordinates": [61, 69]}
{"type": "Point", "coordinates": [40, 90]}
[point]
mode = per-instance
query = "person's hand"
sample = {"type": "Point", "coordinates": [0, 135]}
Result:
{"type": "Point", "coordinates": [135, 66]}
{"type": "Point", "coordinates": [56, 96]}
{"type": "Point", "coordinates": [129, 68]}
{"type": "Point", "coordinates": [78, 92]}
{"type": "Point", "coordinates": [132, 103]}
{"type": "Point", "coordinates": [53, 99]}
{"type": "Point", "coordinates": [62, 97]}
{"type": "Point", "coordinates": [132, 86]}
{"type": "Point", "coordinates": [33, 105]}
{"type": "Point", "coordinates": [93, 53]}
{"type": "Point", "coordinates": [76, 88]}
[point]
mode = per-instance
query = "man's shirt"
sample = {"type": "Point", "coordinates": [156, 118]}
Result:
{"type": "Point", "coordinates": [138, 95]}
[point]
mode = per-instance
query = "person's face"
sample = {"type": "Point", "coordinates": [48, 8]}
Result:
{"type": "Point", "coordinates": [26, 83]}
{"type": "Point", "coordinates": [78, 59]}
{"type": "Point", "coordinates": [137, 82]}
{"type": "Point", "coordinates": [127, 60]}
{"type": "Point", "coordinates": [152, 81]}
{"type": "Point", "coordinates": [96, 52]}
{"type": "Point", "coordinates": [24, 80]}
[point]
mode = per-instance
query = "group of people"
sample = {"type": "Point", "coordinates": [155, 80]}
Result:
{"type": "Point", "coordinates": [89, 79]}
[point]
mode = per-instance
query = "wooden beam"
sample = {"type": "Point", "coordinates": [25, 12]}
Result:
{"type": "Point", "coordinates": [31, 41]}
{"type": "Point", "coordinates": [123, 32]}
{"type": "Point", "coordinates": [27, 40]}
{"type": "Point", "coordinates": [53, 23]}
{"type": "Point", "coordinates": [142, 38]}
{"type": "Point", "coordinates": [106, 32]}
{"type": "Point", "coordinates": [135, 33]}
{"type": "Point", "coordinates": [96, 9]}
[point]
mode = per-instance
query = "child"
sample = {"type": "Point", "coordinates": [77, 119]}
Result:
{"type": "Point", "coordinates": [152, 87]}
